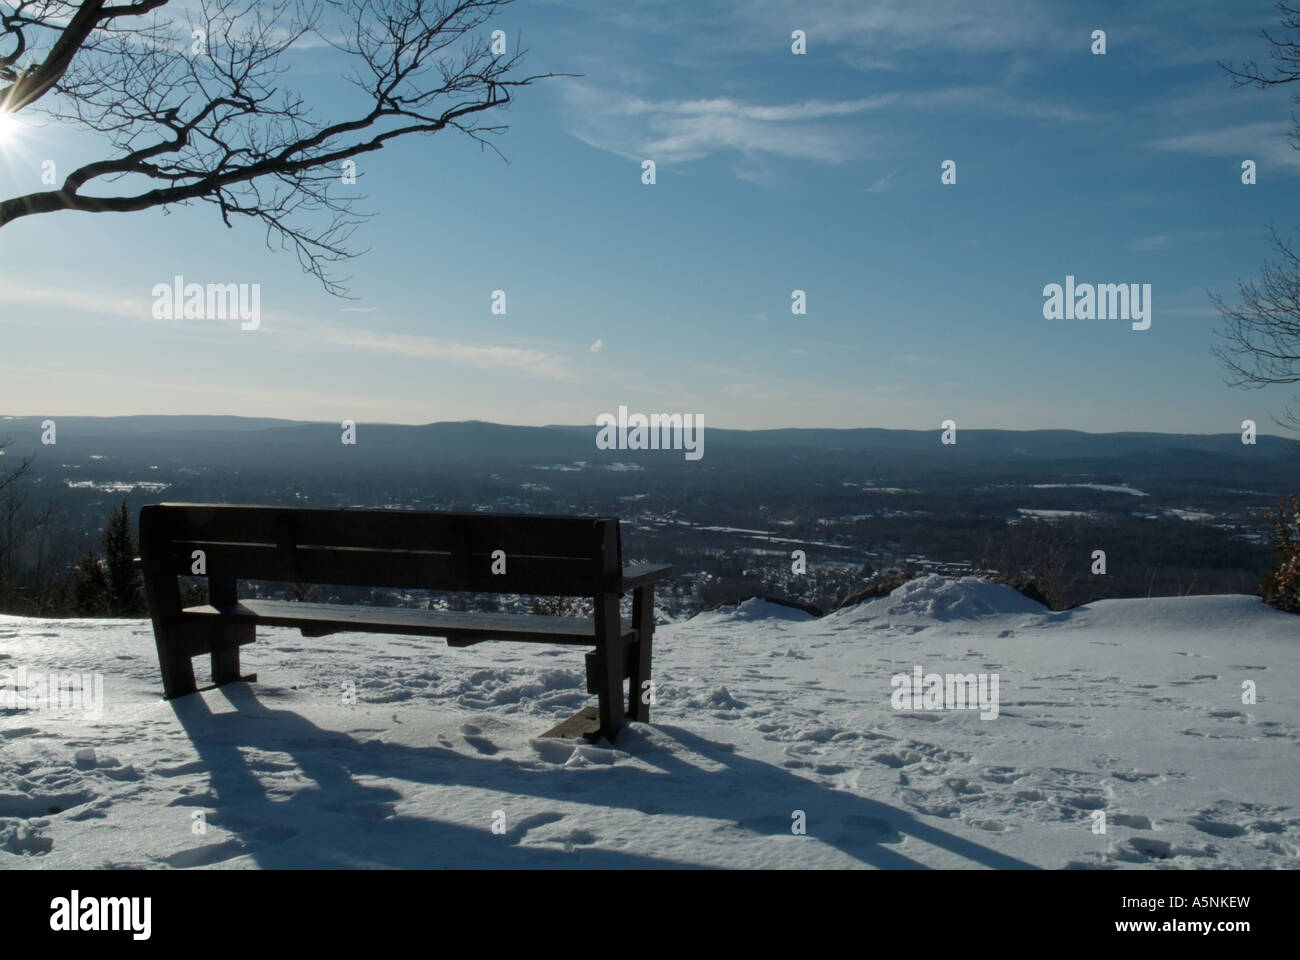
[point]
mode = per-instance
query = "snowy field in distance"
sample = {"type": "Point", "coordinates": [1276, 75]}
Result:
{"type": "Point", "coordinates": [1129, 707]}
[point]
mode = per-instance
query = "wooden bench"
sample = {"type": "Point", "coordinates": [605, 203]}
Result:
{"type": "Point", "coordinates": [539, 555]}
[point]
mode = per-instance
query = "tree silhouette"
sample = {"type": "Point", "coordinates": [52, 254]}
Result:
{"type": "Point", "coordinates": [11, 504]}
{"type": "Point", "coordinates": [199, 112]}
{"type": "Point", "coordinates": [1261, 335]}
{"type": "Point", "coordinates": [89, 586]}
{"type": "Point", "coordinates": [110, 586]}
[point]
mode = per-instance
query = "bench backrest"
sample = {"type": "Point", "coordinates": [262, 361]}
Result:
{"type": "Point", "coordinates": [564, 556]}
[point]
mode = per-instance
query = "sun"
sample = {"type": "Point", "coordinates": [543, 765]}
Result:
{"type": "Point", "coordinates": [12, 130]}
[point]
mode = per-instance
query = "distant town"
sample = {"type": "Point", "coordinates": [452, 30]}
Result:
{"type": "Point", "coordinates": [812, 518]}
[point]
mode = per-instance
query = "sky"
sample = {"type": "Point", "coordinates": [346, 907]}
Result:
{"type": "Point", "coordinates": [775, 172]}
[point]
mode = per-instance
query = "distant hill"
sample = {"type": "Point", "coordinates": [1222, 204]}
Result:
{"type": "Point", "coordinates": [252, 440]}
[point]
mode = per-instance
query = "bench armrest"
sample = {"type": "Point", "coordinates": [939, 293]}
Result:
{"type": "Point", "coordinates": [644, 574]}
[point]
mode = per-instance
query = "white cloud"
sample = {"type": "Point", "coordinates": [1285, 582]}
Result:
{"type": "Point", "coordinates": [670, 131]}
{"type": "Point", "coordinates": [825, 131]}
{"type": "Point", "coordinates": [1265, 143]}
{"type": "Point", "coordinates": [881, 185]}
{"type": "Point", "coordinates": [1150, 243]}
{"type": "Point", "coordinates": [128, 308]}
{"type": "Point", "coordinates": [596, 347]}
{"type": "Point", "coordinates": [520, 360]}
{"type": "Point", "coordinates": [301, 331]}
{"type": "Point", "coordinates": [882, 27]}
{"type": "Point", "coordinates": [886, 34]}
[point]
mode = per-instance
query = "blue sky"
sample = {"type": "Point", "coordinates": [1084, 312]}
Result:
{"type": "Point", "coordinates": [775, 172]}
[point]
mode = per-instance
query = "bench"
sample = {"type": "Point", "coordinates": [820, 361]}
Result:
{"type": "Point", "coordinates": [484, 553]}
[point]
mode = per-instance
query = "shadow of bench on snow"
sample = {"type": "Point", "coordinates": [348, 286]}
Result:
{"type": "Point", "coordinates": [343, 821]}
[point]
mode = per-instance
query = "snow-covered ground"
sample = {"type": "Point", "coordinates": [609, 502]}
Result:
{"type": "Point", "coordinates": [1131, 708]}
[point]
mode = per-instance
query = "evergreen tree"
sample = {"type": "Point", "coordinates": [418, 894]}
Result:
{"type": "Point", "coordinates": [125, 589]}
{"type": "Point", "coordinates": [110, 587]}
{"type": "Point", "coordinates": [89, 586]}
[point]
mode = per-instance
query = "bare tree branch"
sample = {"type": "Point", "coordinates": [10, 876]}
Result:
{"type": "Point", "coordinates": [212, 120]}
{"type": "Point", "coordinates": [1261, 335]}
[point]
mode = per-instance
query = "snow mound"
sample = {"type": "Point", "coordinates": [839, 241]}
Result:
{"type": "Point", "coordinates": [753, 609]}
{"type": "Point", "coordinates": [718, 698]}
{"type": "Point", "coordinates": [936, 598]}
{"type": "Point", "coordinates": [1227, 615]}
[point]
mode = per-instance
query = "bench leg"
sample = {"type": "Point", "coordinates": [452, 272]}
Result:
{"type": "Point", "coordinates": [177, 668]}
{"type": "Point", "coordinates": [225, 652]}
{"type": "Point", "coordinates": [609, 688]}
{"type": "Point", "coordinates": [224, 646]}
{"type": "Point", "coordinates": [643, 619]}
{"type": "Point", "coordinates": [164, 607]}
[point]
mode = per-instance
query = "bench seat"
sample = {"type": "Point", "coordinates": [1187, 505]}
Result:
{"type": "Point", "coordinates": [459, 627]}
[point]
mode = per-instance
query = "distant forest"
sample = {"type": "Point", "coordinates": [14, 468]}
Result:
{"type": "Point", "coordinates": [1172, 515]}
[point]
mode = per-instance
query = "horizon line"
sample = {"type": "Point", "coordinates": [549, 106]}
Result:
{"type": "Point", "coordinates": [288, 421]}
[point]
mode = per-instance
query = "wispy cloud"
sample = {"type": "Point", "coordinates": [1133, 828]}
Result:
{"type": "Point", "coordinates": [881, 185]}
{"type": "Point", "coordinates": [514, 359]}
{"type": "Point", "coordinates": [302, 330]}
{"type": "Point", "coordinates": [1265, 143]}
{"type": "Point", "coordinates": [130, 308]}
{"type": "Point", "coordinates": [1150, 243]}
{"type": "Point", "coordinates": [669, 131]}
{"type": "Point", "coordinates": [880, 35]}
{"type": "Point", "coordinates": [826, 131]}
{"type": "Point", "coordinates": [891, 27]}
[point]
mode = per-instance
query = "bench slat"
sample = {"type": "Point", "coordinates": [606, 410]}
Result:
{"type": "Point", "coordinates": [640, 574]}
{"type": "Point", "coordinates": [562, 556]}
{"type": "Point", "coordinates": [433, 623]}
{"type": "Point", "coordinates": [387, 529]}
{"type": "Point", "coordinates": [406, 569]}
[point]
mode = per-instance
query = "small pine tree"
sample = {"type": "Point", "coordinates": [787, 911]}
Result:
{"type": "Point", "coordinates": [1281, 588]}
{"type": "Point", "coordinates": [312, 593]}
{"type": "Point", "coordinates": [111, 586]}
{"type": "Point", "coordinates": [125, 589]}
{"type": "Point", "coordinates": [89, 586]}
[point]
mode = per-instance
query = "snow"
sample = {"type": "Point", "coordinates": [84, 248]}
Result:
{"type": "Point", "coordinates": [1050, 514]}
{"type": "Point", "coordinates": [1131, 708]}
{"type": "Point", "coordinates": [1189, 514]}
{"type": "Point", "coordinates": [1105, 487]}
{"type": "Point", "coordinates": [117, 486]}
{"type": "Point", "coordinates": [938, 599]}
{"type": "Point", "coordinates": [753, 609]}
